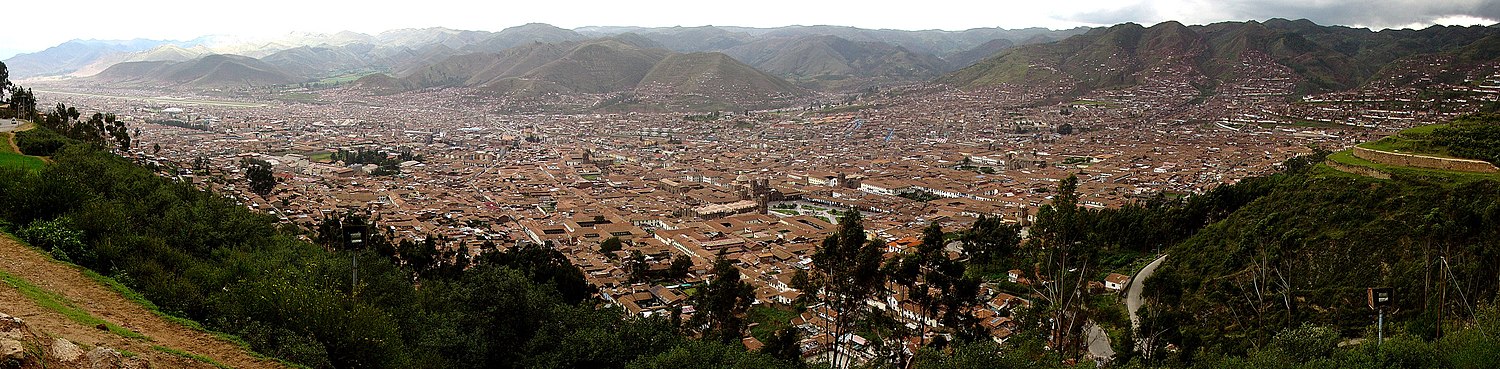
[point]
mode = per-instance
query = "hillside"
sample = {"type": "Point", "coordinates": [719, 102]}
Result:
{"type": "Point", "coordinates": [202, 256]}
{"type": "Point", "coordinates": [310, 62]}
{"type": "Point", "coordinates": [67, 302]}
{"type": "Point", "coordinates": [1306, 244]}
{"type": "Point", "coordinates": [969, 57]}
{"type": "Point", "coordinates": [69, 56]}
{"type": "Point", "coordinates": [206, 72]}
{"type": "Point", "coordinates": [521, 35]}
{"type": "Point", "coordinates": [624, 64]}
{"type": "Point", "coordinates": [1323, 58]}
{"type": "Point", "coordinates": [699, 81]}
{"type": "Point", "coordinates": [821, 61]}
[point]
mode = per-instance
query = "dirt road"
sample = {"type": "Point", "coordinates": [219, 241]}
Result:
{"type": "Point", "coordinates": [100, 301]}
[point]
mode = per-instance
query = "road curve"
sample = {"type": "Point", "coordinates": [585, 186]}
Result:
{"type": "Point", "coordinates": [1137, 286]}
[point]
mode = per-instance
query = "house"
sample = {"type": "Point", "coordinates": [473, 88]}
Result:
{"type": "Point", "coordinates": [1116, 281]}
{"type": "Point", "coordinates": [752, 344]}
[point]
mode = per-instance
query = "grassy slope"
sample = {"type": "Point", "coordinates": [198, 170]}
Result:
{"type": "Point", "coordinates": [9, 157]}
{"type": "Point", "coordinates": [82, 300]}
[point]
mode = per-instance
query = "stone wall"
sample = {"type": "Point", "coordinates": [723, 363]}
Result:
{"type": "Point", "coordinates": [1355, 169]}
{"type": "Point", "coordinates": [1423, 161]}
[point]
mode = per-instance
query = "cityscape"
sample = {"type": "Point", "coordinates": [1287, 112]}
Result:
{"type": "Point", "coordinates": [649, 164]}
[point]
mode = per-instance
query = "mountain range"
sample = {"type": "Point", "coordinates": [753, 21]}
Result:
{"type": "Point", "coordinates": [740, 67]}
{"type": "Point", "coordinates": [1321, 58]}
{"type": "Point", "coordinates": [818, 57]}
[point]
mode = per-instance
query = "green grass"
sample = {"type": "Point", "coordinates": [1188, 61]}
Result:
{"type": "Point", "coordinates": [52, 301]}
{"type": "Point", "coordinates": [304, 97]}
{"type": "Point", "coordinates": [200, 358]}
{"type": "Point", "coordinates": [10, 160]}
{"type": "Point", "coordinates": [344, 78]}
{"type": "Point", "coordinates": [1411, 141]}
{"type": "Point", "coordinates": [844, 109]}
{"type": "Point", "coordinates": [1428, 175]}
{"type": "Point", "coordinates": [1106, 104]}
{"type": "Point", "coordinates": [5, 138]}
{"type": "Point", "coordinates": [770, 320]}
{"type": "Point", "coordinates": [320, 156]}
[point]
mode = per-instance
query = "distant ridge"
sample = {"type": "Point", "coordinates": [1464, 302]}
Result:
{"type": "Point", "coordinates": [1322, 58]}
{"type": "Point", "coordinates": [401, 52]}
{"type": "Point", "coordinates": [624, 64]}
{"type": "Point", "coordinates": [824, 61]}
{"type": "Point", "coordinates": [206, 72]}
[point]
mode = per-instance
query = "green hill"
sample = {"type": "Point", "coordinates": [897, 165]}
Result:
{"type": "Point", "coordinates": [824, 62]}
{"type": "Point", "coordinates": [1307, 243]}
{"type": "Point", "coordinates": [627, 64]}
{"type": "Point", "coordinates": [1325, 58]}
{"type": "Point", "coordinates": [206, 72]}
{"type": "Point", "coordinates": [707, 78]}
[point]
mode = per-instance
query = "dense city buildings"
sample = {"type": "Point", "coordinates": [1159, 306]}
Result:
{"type": "Point", "coordinates": [759, 188]}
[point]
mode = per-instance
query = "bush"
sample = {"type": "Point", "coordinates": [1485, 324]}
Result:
{"type": "Point", "coordinates": [1305, 343]}
{"type": "Point", "coordinates": [60, 238]}
{"type": "Point", "coordinates": [40, 142]}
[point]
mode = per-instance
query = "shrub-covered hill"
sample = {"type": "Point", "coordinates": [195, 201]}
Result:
{"type": "Point", "coordinates": [1307, 248]}
{"type": "Point", "coordinates": [201, 256]}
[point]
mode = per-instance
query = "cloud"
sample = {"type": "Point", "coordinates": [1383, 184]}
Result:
{"type": "Point", "coordinates": [1361, 13]}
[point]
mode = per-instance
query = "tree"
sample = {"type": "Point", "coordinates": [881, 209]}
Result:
{"type": "Point", "coordinates": [989, 240]}
{"type": "Point", "coordinates": [117, 131]}
{"type": "Point", "coordinates": [639, 270]}
{"type": "Point", "coordinates": [848, 264]}
{"type": "Point", "coordinates": [722, 302]}
{"type": "Point", "coordinates": [681, 266]}
{"type": "Point", "coordinates": [155, 148]}
{"type": "Point", "coordinates": [258, 173]}
{"type": "Point", "coordinates": [4, 80]}
{"type": "Point", "coordinates": [1059, 236]}
{"type": "Point", "coordinates": [610, 245]}
{"type": "Point", "coordinates": [783, 345]}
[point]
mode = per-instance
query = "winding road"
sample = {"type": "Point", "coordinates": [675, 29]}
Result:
{"type": "Point", "coordinates": [1137, 286]}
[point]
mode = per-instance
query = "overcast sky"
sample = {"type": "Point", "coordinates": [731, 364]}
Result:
{"type": "Point", "coordinates": [33, 25]}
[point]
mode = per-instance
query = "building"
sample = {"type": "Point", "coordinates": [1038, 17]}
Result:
{"type": "Point", "coordinates": [1116, 281]}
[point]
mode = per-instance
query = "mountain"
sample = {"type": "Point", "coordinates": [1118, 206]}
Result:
{"type": "Point", "coordinates": [419, 37]}
{"type": "Point", "coordinates": [822, 61]}
{"type": "Point", "coordinates": [703, 81]}
{"type": "Point", "coordinates": [72, 55]}
{"type": "Point", "coordinates": [601, 66]}
{"type": "Point", "coordinates": [523, 34]}
{"type": "Point", "coordinates": [1322, 58]}
{"type": "Point", "coordinates": [969, 57]}
{"type": "Point", "coordinates": [168, 52]}
{"type": "Point", "coordinates": [207, 72]}
{"type": "Point", "coordinates": [690, 39]}
{"type": "Point", "coordinates": [311, 62]}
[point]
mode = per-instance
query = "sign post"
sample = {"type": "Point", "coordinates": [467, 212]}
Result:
{"type": "Point", "coordinates": [1379, 298]}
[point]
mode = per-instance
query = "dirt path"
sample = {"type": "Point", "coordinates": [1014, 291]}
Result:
{"type": "Point", "coordinates": [25, 263]}
{"type": "Point", "coordinates": [10, 140]}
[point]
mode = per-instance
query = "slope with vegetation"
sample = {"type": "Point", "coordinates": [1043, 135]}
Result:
{"type": "Point", "coordinates": [1323, 58]}
{"type": "Point", "coordinates": [629, 66]}
{"type": "Point", "coordinates": [200, 256]}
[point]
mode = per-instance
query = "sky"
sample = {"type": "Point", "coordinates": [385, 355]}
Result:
{"type": "Point", "coordinates": [48, 23]}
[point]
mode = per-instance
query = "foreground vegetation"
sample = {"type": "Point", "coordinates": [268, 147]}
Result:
{"type": "Point", "coordinates": [200, 256]}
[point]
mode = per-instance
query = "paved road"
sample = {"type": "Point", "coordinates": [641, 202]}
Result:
{"type": "Point", "coordinates": [1137, 285]}
{"type": "Point", "coordinates": [10, 124]}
